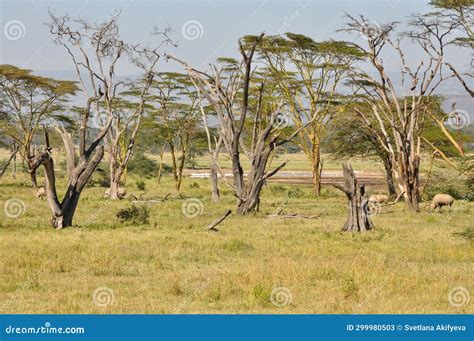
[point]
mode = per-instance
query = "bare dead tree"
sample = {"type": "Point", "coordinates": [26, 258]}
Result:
{"type": "Point", "coordinates": [400, 116]}
{"type": "Point", "coordinates": [228, 90]}
{"type": "Point", "coordinates": [128, 115]}
{"type": "Point", "coordinates": [358, 217]}
{"type": "Point", "coordinates": [95, 50]}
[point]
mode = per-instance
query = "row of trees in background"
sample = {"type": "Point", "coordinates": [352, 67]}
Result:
{"type": "Point", "coordinates": [284, 89]}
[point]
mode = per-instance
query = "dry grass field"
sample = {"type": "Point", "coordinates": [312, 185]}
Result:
{"type": "Point", "coordinates": [255, 264]}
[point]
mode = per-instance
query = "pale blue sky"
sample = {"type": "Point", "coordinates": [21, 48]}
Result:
{"type": "Point", "coordinates": [222, 22]}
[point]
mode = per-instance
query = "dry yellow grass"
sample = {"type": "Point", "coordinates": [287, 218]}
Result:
{"type": "Point", "coordinates": [408, 264]}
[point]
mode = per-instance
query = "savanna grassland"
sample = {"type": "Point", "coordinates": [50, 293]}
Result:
{"type": "Point", "coordinates": [172, 264]}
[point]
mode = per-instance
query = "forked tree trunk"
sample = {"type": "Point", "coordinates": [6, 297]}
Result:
{"type": "Point", "coordinates": [358, 218]}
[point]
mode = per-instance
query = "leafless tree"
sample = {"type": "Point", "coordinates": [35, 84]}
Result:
{"type": "Point", "coordinates": [95, 50]}
{"type": "Point", "coordinates": [399, 108]}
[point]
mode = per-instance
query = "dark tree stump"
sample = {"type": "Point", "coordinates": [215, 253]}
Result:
{"type": "Point", "coordinates": [358, 218]}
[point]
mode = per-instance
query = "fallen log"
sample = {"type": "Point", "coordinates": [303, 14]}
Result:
{"type": "Point", "coordinates": [212, 226]}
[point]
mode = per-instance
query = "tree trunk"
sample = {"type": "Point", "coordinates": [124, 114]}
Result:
{"type": "Point", "coordinates": [114, 189]}
{"type": "Point", "coordinates": [392, 191]}
{"type": "Point", "coordinates": [214, 184]}
{"type": "Point", "coordinates": [358, 206]}
{"type": "Point", "coordinates": [410, 180]}
{"type": "Point", "coordinates": [160, 169]}
{"type": "Point", "coordinates": [174, 164]}
{"type": "Point", "coordinates": [115, 175]}
{"type": "Point", "coordinates": [33, 179]}
{"type": "Point", "coordinates": [316, 167]}
{"type": "Point", "coordinates": [14, 167]}
{"type": "Point", "coordinates": [10, 159]}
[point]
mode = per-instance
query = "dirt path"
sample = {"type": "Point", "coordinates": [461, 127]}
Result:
{"type": "Point", "coordinates": [304, 177]}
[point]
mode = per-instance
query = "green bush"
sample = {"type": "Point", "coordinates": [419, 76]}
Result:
{"type": "Point", "coordinates": [134, 214]}
{"type": "Point", "coordinates": [140, 185]}
{"type": "Point", "coordinates": [456, 186]}
{"type": "Point", "coordinates": [468, 234]}
{"type": "Point", "coordinates": [143, 166]}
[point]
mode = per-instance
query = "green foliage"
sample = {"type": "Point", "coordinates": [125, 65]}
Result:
{"type": "Point", "coordinates": [349, 287]}
{"type": "Point", "coordinates": [467, 234]}
{"type": "Point", "coordinates": [456, 186]}
{"type": "Point", "coordinates": [260, 295]}
{"type": "Point", "coordinates": [142, 165]}
{"type": "Point", "coordinates": [134, 214]}
{"type": "Point", "coordinates": [140, 185]}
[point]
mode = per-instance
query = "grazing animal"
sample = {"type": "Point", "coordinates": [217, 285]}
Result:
{"type": "Point", "coordinates": [121, 193]}
{"type": "Point", "coordinates": [440, 200]}
{"type": "Point", "coordinates": [379, 198]}
{"type": "Point", "coordinates": [40, 193]}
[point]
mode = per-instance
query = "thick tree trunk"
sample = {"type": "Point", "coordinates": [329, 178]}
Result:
{"type": "Point", "coordinates": [410, 181]}
{"type": "Point", "coordinates": [114, 189]}
{"type": "Point", "coordinates": [115, 176]}
{"type": "Point", "coordinates": [392, 191]}
{"type": "Point", "coordinates": [316, 167]}
{"type": "Point", "coordinates": [358, 218]}
{"type": "Point", "coordinates": [34, 181]}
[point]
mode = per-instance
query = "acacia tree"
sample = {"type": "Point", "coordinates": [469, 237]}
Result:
{"type": "Point", "coordinates": [174, 117]}
{"type": "Point", "coordinates": [460, 14]}
{"type": "Point", "coordinates": [27, 102]}
{"type": "Point", "coordinates": [352, 137]}
{"type": "Point", "coordinates": [95, 50]}
{"type": "Point", "coordinates": [400, 117]}
{"type": "Point", "coordinates": [228, 90]}
{"type": "Point", "coordinates": [308, 74]}
{"type": "Point", "coordinates": [121, 138]}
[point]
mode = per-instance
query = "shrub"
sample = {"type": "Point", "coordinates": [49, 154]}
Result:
{"type": "Point", "coordinates": [467, 234]}
{"type": "Point", "coordinates": [140, 185]}
{"type": "Point", "coordinates": [194, 184]}
{"type": "Point", "coordinates": [142, 165]}
{"type": "Point", "coordinates": [260, 295]}
{"type": "Point", "coordinates": [134, 214]}
{"type": "Point", "coordinates": [349, 287]}
{"type": "Point", "coordinates": [455, 186]}
{"type": "Point", "coordinates": [295, 193]}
